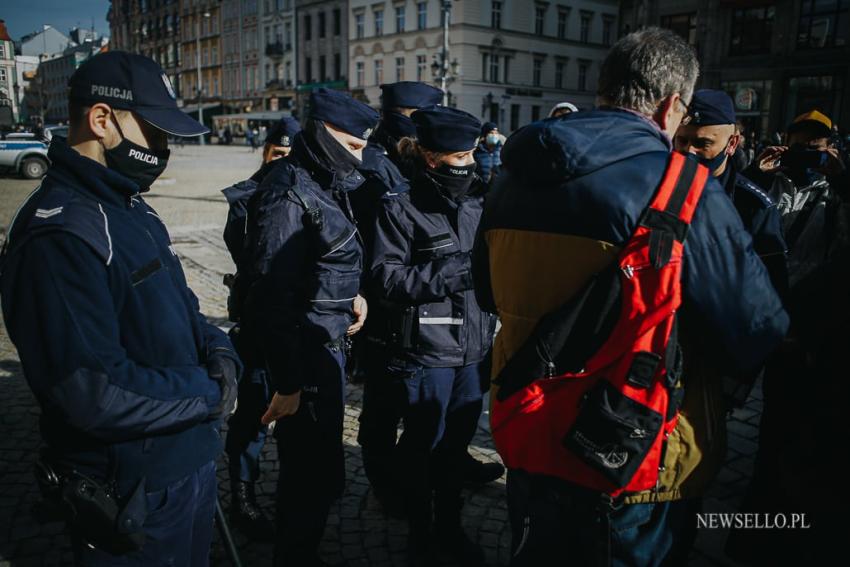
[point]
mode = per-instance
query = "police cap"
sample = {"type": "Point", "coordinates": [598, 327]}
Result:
{"type": "Point", "coordinates": [409, 94]}
{"type": "Point", "coordinates": [133, 82]}
{"type": "Point", "coordinates": [340, 110]}
{"type": "Point", "coordinates": [710, 107]}
{"type": "Point", "coordinates": [444, 129]}
{"type": "Point", "coordinates": [283, 132]}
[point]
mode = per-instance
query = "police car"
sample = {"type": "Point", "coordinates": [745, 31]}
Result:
{"type": "Point", "coordinates": [24, 154]}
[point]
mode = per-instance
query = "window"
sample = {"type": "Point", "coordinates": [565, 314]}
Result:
{"type": "Point", "coordinates": [823, 23]}
{"type": "Point", "coordinates": [337, 21]}
{"type": "Point", "coordinates": [607, 26]}
{"type": "Point", "coordinates": [358, 26]}
{"type": "Point", "coordinates": [752, 30]}
{"type": "Point", "coordinates": [539, 18]}
{"type": "Point", "coordinates": [420, 67]}
{"type": "Point", "coordinates": [288, 35]}
{"type": "Point", "coordinates": [535, 113]}
{"type": "Point", "coordinates": [494, 68]}
{"type": "Point", "coordinates": [421, 15]}
{"type": "Point", "coordinates": [559, 74]}
{"type": "Point", "coordinates": [685, 25]}
{"type": "Point", "coordinates": [514, 116]}
{"type": "Point", "coordinates": [337, 67]}
{"type": "Point", "coordinates": [379, 71]}
{"type": "Point", "coordinates": [586, 19]}
{"type": "Point", "coordinates": [308, 69]}
{"type": "Point", "coordinates": [308, 24]}
{"type": "Point", "coordinates": [399, 19]}
{"type": "Point", "coordinates": [399, 69]}
{"type": "Point", "coordinates": [379, 22]}
{"type": "Point", "coordinates": [582, 75]}
{"type": "Point", "coordinates": [496, 15]}
{"type": "Point", "coordinates": [563, 15]}
{"type": "Point", "coordinates": [321, 24]}
{"type": "Point", "coordinates": [214, 55]}
{"type": "Point", "coordinates": [359, 73]}
{"type": "Point", "coordinates": [537, 72]}
{"type": "Point", "coordinates": [323, 68]}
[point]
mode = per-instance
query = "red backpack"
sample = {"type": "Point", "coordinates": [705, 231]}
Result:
{"type": "Point", "coordinates": [593, 394]}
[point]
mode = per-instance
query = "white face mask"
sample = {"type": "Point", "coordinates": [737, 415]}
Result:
{"type": "Point", "coordinates": [492, 139]}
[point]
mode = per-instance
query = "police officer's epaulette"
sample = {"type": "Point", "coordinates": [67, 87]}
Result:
{"type": "Point", "coordinates": [744, 183]}
{"type": "Point", "coordinates": [84, 218]}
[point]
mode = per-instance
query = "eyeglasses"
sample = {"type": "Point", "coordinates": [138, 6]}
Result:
{"type": "Point", "coordinates": [686, 119]}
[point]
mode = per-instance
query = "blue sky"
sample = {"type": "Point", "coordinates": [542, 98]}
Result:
{"type": "Point", "coordinates": [25, 16]}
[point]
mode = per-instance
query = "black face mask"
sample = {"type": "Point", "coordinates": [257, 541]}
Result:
{"type": "Point", "coordinates": [136, 162]}
{"type": "Point", "coordinates": [328, 151]}
{"type": "Point", "coordinates": [454, 180]}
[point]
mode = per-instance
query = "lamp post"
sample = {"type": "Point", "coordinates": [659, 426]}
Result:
{"type": "Point", "coordinates": [441, 69]}
{"type": "Point", "coordinates": [198, 62]}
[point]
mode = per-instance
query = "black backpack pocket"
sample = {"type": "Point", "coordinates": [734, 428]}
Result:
{"type": "Point", "coordinates": [613, 433]}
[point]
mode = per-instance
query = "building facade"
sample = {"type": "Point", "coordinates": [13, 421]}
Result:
{"type": "Point", "coordinates": [777, 59]}
{"type": "Point", "coordinates": [509, 61]}
{"type": "Point", "coordinates": [200, 37]}
{"type": "Point", "coordinates": [278, 54]}
{"type": "Point", "coordinates": [152, 28]}
{"type": "Point", "coordinates": [242, 45]}
{"type": "Point", "coordinates": [321, 28]}
{"type": "Point", "coordinates": [53, 75]}
{"type": "Point", "coordinates": [45, 42]}
{"type": "Point", "coordinates": [9, 86]}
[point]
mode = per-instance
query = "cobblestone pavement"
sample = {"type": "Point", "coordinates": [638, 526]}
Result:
{"type": "Point", "coordinates": [358, 531]}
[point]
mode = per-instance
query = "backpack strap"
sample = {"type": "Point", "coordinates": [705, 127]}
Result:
{"type": "Point", "coordinates": [672, 208]}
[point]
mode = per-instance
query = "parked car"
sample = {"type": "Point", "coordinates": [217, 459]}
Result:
{"type": "Point", "coordinates": [22, 153]}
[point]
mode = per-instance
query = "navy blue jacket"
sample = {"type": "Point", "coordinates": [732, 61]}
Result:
{"type": "Point", "coordinates": [304, 262]}
{"type": "Point", "coordinates": [382, 176]}
{"type": "Point", "coordinates": [421, 258]}
{"type": "Point", "coordinates": [109, 335]}
{"type": "Point", "coordinates": [583, 181]}
{"type": "Point", "coordinates": [489, 161]}
{"type": "Point", "coordinates": [762, 220]}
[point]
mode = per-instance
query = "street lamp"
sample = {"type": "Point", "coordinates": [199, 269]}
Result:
{"type": "Point", "coordinates": [198, 61]}
{"type": "Point", "coordinates": [441, 69]}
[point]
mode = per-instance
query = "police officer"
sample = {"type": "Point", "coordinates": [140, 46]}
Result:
{"type": "Point", "coordinates": [246, 435]}
{"type": "Point", "coordinates": [279, 139]}
{"type": "Point", "coordinates": [421, 266]}
{"type": "Point", "coordinates": [709, 132]}
{"type": "Point", "coordinates": [384, 398]}
{"type": "Point", "coordinates": [303, 258]}
{"type": "Point", "coordinates": [131, 379]}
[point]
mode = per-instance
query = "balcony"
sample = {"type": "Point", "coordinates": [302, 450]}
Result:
{"type": "Point", "coordinates": [275, 49]}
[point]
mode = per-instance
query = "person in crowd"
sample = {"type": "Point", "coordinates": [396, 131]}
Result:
{"type": "Point", "coordinates": [439, 337]}
{"type": "Point", "coordinates": [303, 264]}
{"type": "Point", "coordinates": [132, 381]}
{"type": "Point", "coordinates": [562, 109]}
{"type": "Point", "coordinates": [573, 193]}
{"type": "Point", "coordinates": [488, 153]}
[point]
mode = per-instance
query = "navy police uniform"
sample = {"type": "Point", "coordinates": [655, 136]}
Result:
{"type": "Point", "coordinates": [303, 259]}
{"type": "Point", "coordinates": [111, 339]}
{"type": "Point", "coordinates": [757, 210]}
{"type": "Point", "coordinates": [439, 336]}
{"type": "Point", "coordinates": [246, 435]}
{"type": "Point", "coordinates": [383, 397]}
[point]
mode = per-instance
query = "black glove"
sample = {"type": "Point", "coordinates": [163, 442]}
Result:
{"type": "Point", "coordinates": [223, 370]}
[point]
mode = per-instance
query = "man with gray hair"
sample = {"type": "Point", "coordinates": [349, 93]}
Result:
{"type": "Point", "coordinates": [573, 193]}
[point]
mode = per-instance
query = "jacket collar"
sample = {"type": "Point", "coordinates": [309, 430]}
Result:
{"type": "Point", "coordinates": [71, 168]}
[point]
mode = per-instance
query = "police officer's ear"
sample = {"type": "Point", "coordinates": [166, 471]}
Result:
{"type": "Point", "coordinates": [100, 124]}
{"type": "Point", "coordinates": [734, 141]}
